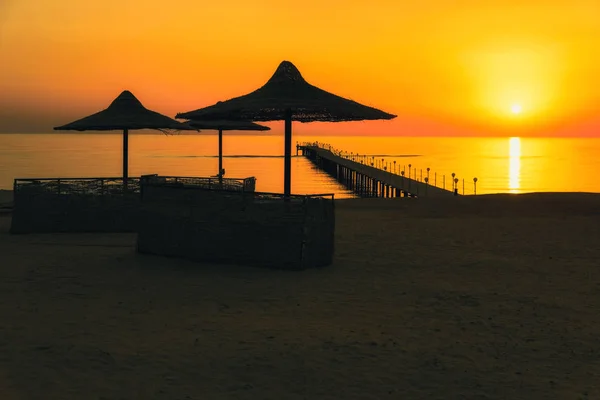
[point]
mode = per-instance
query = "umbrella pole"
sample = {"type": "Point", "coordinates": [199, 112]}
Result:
{"type": "Point", "coordinates": [220, 157]}
{"type": "Point", "coordinates": [287, 164]}
{"type": "Point", "coordinates": [125, 152]}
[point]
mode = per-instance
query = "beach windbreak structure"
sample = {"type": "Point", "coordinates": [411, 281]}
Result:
{"type": "Point", "coordinates": [125, 113]}
{"type": "Point", "coordinates": [224, 125]}
{"type": "Point", "coordinates": [288, 97]}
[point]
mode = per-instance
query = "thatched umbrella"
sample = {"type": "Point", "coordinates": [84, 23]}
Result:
{"type": "Point", "coordinates": [223, 125]}
{"type": "Point", "coordinates": [125, 113]}
{"type": "Point", "coordinates": [287, 96]}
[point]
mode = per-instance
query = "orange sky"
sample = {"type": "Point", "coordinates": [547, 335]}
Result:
{"type": "Point", "coordinates": [446, 67]}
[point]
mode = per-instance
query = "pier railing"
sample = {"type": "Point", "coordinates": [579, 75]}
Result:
{"type": "Point", "coordinates": [427, 176]}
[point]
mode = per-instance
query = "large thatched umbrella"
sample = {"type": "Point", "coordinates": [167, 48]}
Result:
{"type": "Point", "coordinates": [287, 96]}
{"type": "Point", "coordinates": [223, 125]}
{"type": "Point", "coordinates": [125, 113]}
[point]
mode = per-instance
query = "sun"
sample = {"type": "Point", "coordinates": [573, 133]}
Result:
{"type": "Point", "coordinates": [516, 108]}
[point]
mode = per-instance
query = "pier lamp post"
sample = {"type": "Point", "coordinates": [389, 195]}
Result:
{"type": "Point", "coordinates": [394, 166]}
{"type": "Point", "coordinates": [402, 173]}
{"type": "Point", "coordinates": [453, 175]}
{"type": "Point", "coordinates": [409, 167]}
{"type": "Point", "coordinates": [428, 172]}
{"type": "Point", "coordinates": [475, 186]}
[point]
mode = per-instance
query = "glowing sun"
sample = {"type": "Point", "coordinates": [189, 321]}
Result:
{"type": "Point", "coordinates": [516, 109]}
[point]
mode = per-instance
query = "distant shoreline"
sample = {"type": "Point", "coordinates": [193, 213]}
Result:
{"type": "Point", "coordinates": [276, 132]}
{"type": "Point", "coordinates": [548, 198]}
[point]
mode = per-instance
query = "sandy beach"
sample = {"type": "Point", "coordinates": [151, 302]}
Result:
{"type": "Point", "coordinates": [486, 297]}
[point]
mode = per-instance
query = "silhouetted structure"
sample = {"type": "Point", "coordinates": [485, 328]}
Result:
{"type": "Point", "coordinates": [366, 180]}
{"type": "Point", "coordinates": [237, 227]}
{"type": "Point", "coordinates": [94, 204]}
{"type": "Point", "coordinates": [125, 113]}
{"type": "Point", "coordinates": [287, 96]}
{"type": "Point", "coordinates": [226, 126]}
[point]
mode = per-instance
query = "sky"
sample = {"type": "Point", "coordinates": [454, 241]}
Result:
{"type": "Point", "coordinates": [445, 67]}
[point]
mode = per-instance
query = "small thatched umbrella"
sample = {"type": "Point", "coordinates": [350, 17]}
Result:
{"type": "Point", "coordinates": [222, 125]}
{"type": "Point", "coordinates": [287, 96]}
{"type": "Point", "coordinates": [125, 113]}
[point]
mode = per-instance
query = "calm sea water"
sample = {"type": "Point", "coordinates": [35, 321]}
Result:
{"type": "Point", "coordinates": [514, 165]}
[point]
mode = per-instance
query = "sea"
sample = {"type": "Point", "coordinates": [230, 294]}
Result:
{"type": "Point", "coordinates": [501, 165]}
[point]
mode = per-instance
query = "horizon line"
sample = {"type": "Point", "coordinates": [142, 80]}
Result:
{"type": "Point", "coordinates": [241, 133]}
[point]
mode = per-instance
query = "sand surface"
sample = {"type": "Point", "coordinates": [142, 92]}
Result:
{"type": "Point", "coordinates": [493, 297]}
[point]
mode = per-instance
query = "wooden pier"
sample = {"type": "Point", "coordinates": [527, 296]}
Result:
{"type": "Point", "coordinates": [366, 180]}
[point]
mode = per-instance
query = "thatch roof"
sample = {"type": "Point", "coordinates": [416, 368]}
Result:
{"type": "Point", "coordinates": [225, 125]}
{"type": "Point", "coordinates": [285, 92]}
{"type": "Point", "coordinates": [125, 112]}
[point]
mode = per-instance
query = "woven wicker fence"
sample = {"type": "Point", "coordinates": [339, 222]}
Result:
{"type": "Point", "coordinates": [93, 204]}
{"type": "Point", "coordinates": [237, 227]}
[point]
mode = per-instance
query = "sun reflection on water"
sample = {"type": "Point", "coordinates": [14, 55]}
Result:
{"type": "Point", "coordinates": [514, 165]}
